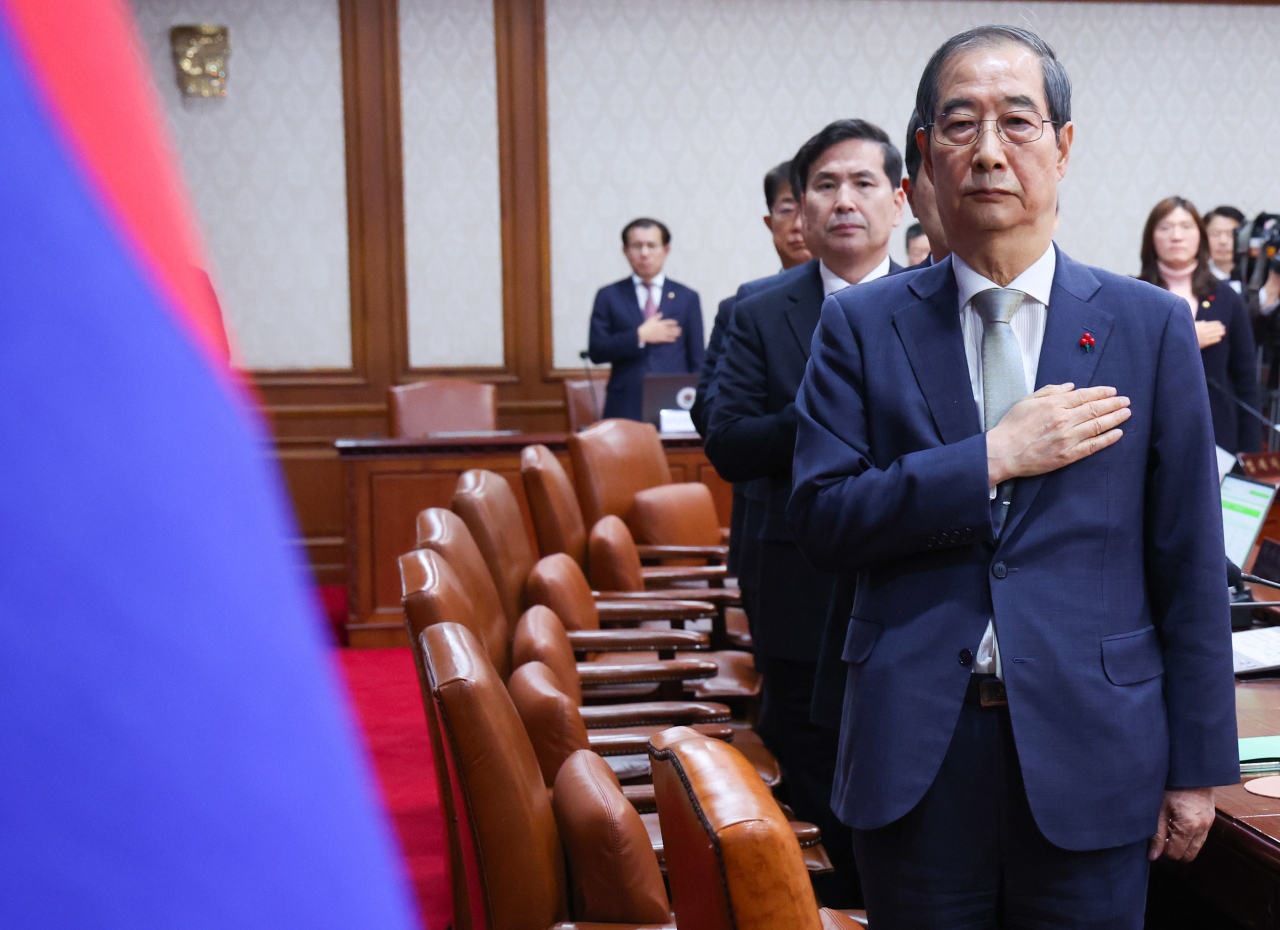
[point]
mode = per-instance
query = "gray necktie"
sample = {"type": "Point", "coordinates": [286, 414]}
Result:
{"type": "Point", "coordinates": [1004, 381]}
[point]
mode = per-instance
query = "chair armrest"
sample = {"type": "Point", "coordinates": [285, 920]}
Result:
{"type": "Point", "coordinates": [666, 574]}
{"type": "Point", "coordinates": [713, 554]}
{"type": "Point", "coordinates": [634, 610]}
{"type": "Point", "coordinates": [807, 834]}
{"type": "Point", "coordinates": [595, 673]}
{"type": "Point", "coordinates": [635, 640]}
{"type": "Point", "coordinates": [842, 920]}
{"type": "Point", "coordinates": [635, 740]}
{"type": "Point", "coordinates": [642, 798]}
{"type": "Point", "coordinates": [731, 596]}
{"type": "Point", "coordinates": [667, 713]}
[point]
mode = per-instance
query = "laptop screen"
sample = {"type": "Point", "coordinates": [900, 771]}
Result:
{"type": "Point", "coordinates": [1244, 509]}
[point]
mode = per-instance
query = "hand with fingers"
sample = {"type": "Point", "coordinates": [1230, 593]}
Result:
{"type": "Point", "coordinates": [658, 329]}
{"type": "Point", "coordinates": [1185, 818]}
{"type": "Point", "coordinates": [1052, 428]}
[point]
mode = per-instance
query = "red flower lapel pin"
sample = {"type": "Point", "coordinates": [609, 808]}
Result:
{"type": "Point", "coordinates": [1087, 341]}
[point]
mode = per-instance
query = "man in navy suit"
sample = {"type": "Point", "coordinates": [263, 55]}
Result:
{"type": "Point", "coordinates": [1039, 696]}
{"type": "Point", "coordinates": [919, 191]}
{"type": "Point", "coordinates": [646, 324]}
{"type": "Point", "coordinates": [848, 176]}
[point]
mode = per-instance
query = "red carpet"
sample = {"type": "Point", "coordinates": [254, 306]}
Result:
{"type": "Point", "coordinates": [384, 688]}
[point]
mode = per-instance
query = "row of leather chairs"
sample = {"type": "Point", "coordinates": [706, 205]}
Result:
{"type": "Point", "coordinates": [541, 839]}
{"type": "Point", "coordinates": [455, 405]}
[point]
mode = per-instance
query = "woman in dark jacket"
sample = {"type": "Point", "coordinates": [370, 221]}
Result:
{"type": "Point", "coordinates": [1175, 256]}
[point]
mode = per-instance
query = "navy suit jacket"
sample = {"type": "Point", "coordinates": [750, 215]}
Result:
{"type": "Point", "coordinates": [1106, 584]}
{"type": "Point", "coordinates": [616, 316]}
{"type": "Point", "coordinates": [751, 438]}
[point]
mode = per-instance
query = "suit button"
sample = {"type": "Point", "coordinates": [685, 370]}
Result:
{"type": "Point", "coordinates": [999, 570]}
{"type": "Point", "coordinates": [966, 658]}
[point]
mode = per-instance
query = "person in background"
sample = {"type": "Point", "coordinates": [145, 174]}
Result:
{"type": "Point", "coordinates": [919, 191]}
{"type": "Point", "coordinates": [1175, 256]}
{"type": "Point", "coordinates": [1221, 224]}
{"type": "Point", "coordinates": [784, 223]}
{"type": "Point", "coordinates": [848, 176]}
{"type": "Point", "coordinates": [917, 244]}
{"type": "Point", "coordinates": [644, 324]}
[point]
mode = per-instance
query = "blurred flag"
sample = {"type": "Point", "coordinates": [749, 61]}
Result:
{"type": "Point", "coordinates": [174, 747]}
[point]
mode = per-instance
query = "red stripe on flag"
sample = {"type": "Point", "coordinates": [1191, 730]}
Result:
{"type": "Point", "coordinates": [111, 121]}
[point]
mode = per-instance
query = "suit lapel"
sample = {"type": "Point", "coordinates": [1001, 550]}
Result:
{"type": "Point", "coordinates": [805, 307]}
{"type": "Point", "coordinates": [1071, 316]}
{"type": "Point", "coordinates": [931, 336]}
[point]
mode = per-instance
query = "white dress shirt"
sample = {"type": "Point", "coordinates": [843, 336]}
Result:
{"type": "Point", "coordinates": [643, 291]}
{"type": "Point", "coordinates": [832, 282]}
{"type": "Point", "coordinates": [1028, 328]}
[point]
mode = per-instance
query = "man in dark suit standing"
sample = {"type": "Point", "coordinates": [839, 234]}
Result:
{"type": "Point", "coordinates": [785, 225]}
{"type": "Point", "coordinates": [1039, 696]}
{"type": "Point", "coordinates": [919, 191]}
{"type": "Point", "coordinates": [646, 324]}
{"type": "Point", "coordinates": [848, 175]}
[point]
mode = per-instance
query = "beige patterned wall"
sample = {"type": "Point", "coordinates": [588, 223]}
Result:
{"type": "Point", "coordinates": [676, 108]}
{"type": "Point", "coordinates": [453, 239]}
{"type": "Point", "coordinates": [266, 169]}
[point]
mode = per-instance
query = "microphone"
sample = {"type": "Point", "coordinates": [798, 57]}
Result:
{"type": "Point", "coordinates": [1233, 575]}
{"type": "Point", "coordinates": [1256, 414]}
{"type": "Point", "coordinates": [585, 355]}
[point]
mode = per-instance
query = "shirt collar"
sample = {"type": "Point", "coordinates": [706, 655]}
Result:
{"type": "Point", "coordinates": [1036, 282]}
{"type": "Point", "coordinates": [832, 282]}
{"type": "Point", "coordinates": [659, 279]}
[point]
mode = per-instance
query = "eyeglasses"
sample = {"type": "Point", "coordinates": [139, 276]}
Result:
{"type": "Point", "coordinates": [1017, 127]}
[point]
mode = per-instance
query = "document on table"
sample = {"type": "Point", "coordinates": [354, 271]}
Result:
{"type": "Point", "coordinates": [1255, 650]}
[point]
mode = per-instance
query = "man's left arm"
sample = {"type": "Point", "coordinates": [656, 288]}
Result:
{"type": "Point", "coordinates": [1186, 586]}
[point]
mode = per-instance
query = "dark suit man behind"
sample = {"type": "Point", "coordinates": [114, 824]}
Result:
{"type": "Point", "coordinates": [1039, 693]}
{"type": "Point", "coordinates": [646, 324]}
{"type": "Point", "coordinates": [783, 222]}
{"type": "Point", "coordinates": [848, 178]}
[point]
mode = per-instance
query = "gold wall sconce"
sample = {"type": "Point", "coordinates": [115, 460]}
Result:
{"type": "Point", "coordinates": [200, 59]}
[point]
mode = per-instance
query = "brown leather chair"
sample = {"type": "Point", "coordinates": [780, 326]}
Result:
{"type": "Point", "coordinates": [723, 833]}
{"type": "Point", "coordinates": [620, 468]}
{"type": "Point", "coordinates": [559, 526]}
{"type": "Point", "coordinates": [584, 400]}
{"type": "Point", "coordinates": [558, 583]}
{"type": "Point", "coordinates": [442, 405]}
{"type": "Point", "coordinates": [510, 826]}
{"type": "Point", "coordinates": [432, 592]}
{"type": "Point", "coordinates": [540, 641]}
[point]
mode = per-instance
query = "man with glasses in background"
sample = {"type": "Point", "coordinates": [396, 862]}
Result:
{"type": "Point", "coordinates": [1004, 449]}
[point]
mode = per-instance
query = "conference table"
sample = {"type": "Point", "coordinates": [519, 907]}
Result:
{"type": "Point", "coordinates": [389, 481]}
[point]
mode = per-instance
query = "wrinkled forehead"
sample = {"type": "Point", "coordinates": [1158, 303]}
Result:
{"type": "Point", "coordinates": [998, 76]}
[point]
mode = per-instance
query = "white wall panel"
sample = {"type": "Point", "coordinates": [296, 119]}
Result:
{"type": "Point", "coordinates": [266, 169]}
{"type": "Point", "coordinates": [676, 108]}
{"type": "Point", "coordinates": [453, 237]}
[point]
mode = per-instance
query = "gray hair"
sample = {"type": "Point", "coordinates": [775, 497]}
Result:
{"type": "Point", "coordinates": [1057, 86]}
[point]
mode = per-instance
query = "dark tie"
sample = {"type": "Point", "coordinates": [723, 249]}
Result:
{"type": "Point", "coordinates": [1004, 381]}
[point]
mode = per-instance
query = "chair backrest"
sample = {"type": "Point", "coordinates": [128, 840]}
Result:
{"type": "Point", "coordinates": [613, 873]}
{"type": "Point", "coordinates": [486, 504]}
{"type": "Point", "coordinates": [557, 516]}
{"type": "Point", "coordinates": [540, 637]}
{"type": "Point", "coordinates": [557, 582]}
{"type": "Point", "coordinates": [442, 405]}
{"type": "Point", "coordinates": [433, 593]}
{"type": "Point", "coordinates": [584, 400]}
{"type": "Point", "coordinates": [612, 460]}
{"type": "Point", "coordinates": [613, 558]}
{"type": "Point", "coordinates": [550, 717]}
{"type": "Point", "coordinates": [444, 532]}
{"type": "Point", "coordinates": [517, 844]}
{"type": "Point", "coordinates": [732, 860]}
{"type": "Point", "coordinates": [681, 514]}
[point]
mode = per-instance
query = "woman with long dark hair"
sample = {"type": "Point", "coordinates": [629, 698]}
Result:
{"type": "Point", "coordinates": [1175, 256]}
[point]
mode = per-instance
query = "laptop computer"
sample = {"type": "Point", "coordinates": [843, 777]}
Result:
{"type": "Point", "coordinates": [666, 392]}
{"type": "Point", "coordinates": [1245, 504]}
